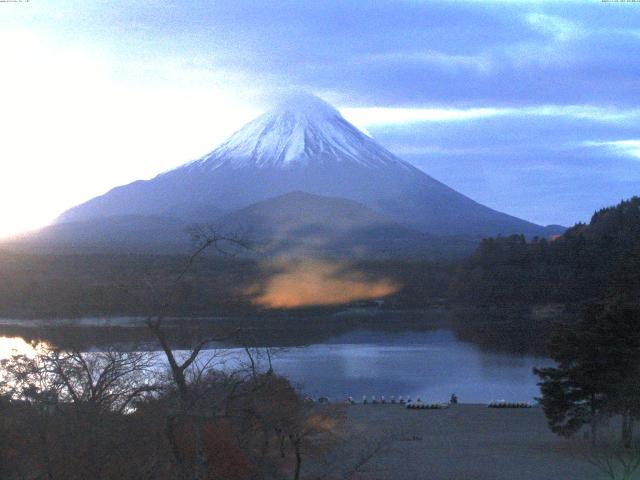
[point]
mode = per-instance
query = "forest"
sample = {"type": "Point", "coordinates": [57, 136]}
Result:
{"type": "Point", "coordinates": [594, 261]}
{"type": "Point", "coordinates": [591, 275]}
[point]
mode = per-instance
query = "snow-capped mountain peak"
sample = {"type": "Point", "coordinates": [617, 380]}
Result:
{"type": "Point", "coordinates": [301, 129]}
{"type": "Point", "coordinates": [303, 145]}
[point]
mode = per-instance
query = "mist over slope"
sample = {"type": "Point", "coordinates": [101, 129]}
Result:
{"type": "Point", "coordinates": [299, 223]}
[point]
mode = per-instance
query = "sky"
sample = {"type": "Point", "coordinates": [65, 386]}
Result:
{"type": "Point", "coordinates": [532, 108]}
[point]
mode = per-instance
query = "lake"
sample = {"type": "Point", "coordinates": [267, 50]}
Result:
{"type": "Point", "coordinates": [430, 363]}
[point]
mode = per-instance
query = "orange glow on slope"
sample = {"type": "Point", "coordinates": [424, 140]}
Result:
{"type": "Point", "coordinates": [301, 283]}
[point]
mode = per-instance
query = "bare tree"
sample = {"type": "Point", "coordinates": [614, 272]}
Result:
{"type": "Point", "coordinates": [187, 405]}
{"type": "Point", "coordinates": [109, 380]}
{"type": "Point", "coordinates": [81, 394]}
{"type": "Point", "coordinates": [26, 380]}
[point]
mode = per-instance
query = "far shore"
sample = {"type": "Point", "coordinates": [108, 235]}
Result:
{"type": "Point", "coordinates": [267, 328]}
{"type": "Point", "coordinates": [343, 312]}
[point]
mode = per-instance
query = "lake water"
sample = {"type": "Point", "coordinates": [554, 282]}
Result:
{"type": "Point", "coordinates": [430, 364]}
{"type": "Point", "coordinates": [427, 364]}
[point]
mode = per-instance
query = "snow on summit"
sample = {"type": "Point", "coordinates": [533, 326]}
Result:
{"type": "Point", "coordinates": [300, 129]}
{"type": "Point", "coordinates": [303, 145]}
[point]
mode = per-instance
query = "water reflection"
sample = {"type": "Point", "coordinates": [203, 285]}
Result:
{"type": "Point", "coordinates": [431, 364]}
{"type": "Point", "coordinates": [10, 346]}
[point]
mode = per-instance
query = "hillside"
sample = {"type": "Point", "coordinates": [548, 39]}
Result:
{"type": "Point", "coordinates": [299, 223]}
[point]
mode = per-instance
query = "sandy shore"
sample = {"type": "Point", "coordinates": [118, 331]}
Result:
{"type": "Point", "coordinates": [464, 442]}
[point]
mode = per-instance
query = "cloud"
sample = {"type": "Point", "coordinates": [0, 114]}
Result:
{"type": "Point", "coordinates": [392, 116]}
{"type": "Point", "coordinates": [398, 52]}
{"type": "Point", "coordinates": [558, 28]}
{"type": "Point", "coordinates": [432, 58]}
{"type": "Point", "coordinates": [629, 148]}
{"type": "Point", "coordinates": [537, 167]}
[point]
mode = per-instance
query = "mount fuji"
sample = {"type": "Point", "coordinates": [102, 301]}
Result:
{"type": "Point", "coordinates": [302, 145]}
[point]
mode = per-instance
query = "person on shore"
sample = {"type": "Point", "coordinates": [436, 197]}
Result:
{"type": "Point", "coordinates": [453, 400]}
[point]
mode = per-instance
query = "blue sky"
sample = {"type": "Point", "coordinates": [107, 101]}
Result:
{"type": "Point", "coordinates": [532, 108]}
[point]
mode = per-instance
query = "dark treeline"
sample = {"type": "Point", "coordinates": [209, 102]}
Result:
{"type": "Point", "coordinates": [588, 262]}
{"type": "Point", "coordinates": [71, 286]}
{"type": "Point", "coordinates": [513, 293]}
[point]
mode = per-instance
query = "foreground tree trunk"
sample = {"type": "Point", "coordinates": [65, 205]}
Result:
{"type": "Point", "coordinates": [187, 403]}
{"type": "Point", "coordinates": [298, 453]}
{"type": "Point", "coordinates": [627, 430]}
{"type": "Point", "coordinates": [200, 467]}
{"type": "Point", "coordinates": [44, 442]}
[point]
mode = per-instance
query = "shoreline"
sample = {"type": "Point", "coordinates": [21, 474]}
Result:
{"type": "Point", "coordinates": [373, 314]}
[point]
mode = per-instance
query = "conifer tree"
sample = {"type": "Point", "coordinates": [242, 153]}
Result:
{"type": "Point", "coordinates": [597, 373]}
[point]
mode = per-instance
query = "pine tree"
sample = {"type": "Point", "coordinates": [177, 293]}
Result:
{"type": "Point", "coordinates": [597, 373]}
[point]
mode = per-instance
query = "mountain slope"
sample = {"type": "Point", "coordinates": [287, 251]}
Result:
{"type": "Point", "coordinates": [293, 224]}
{"type": "Point", "coordinates": [299, 223]}
{"type": "Point", "coordinates": [306, 145]}
{"type": "Point", "coordinates": [119, 233]}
